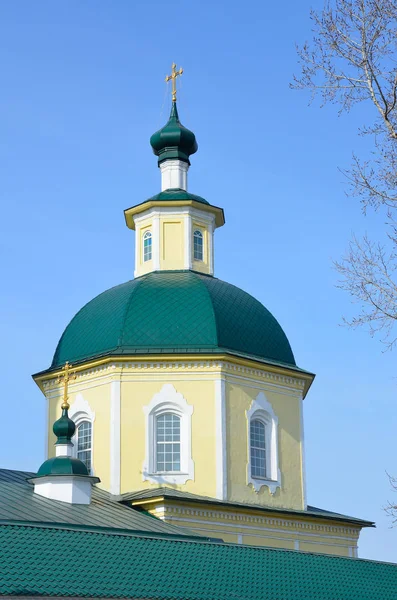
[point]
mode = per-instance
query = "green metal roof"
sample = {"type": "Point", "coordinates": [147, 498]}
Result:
{"type": "Point", "coordinates": [176, 194]}
{"type": "Point", "coordinates": [174, 312]}
{"type": "Point", "coordinates": [18, 502]}
{"type": "Point", "coordinates": [183, 496]}
{"type": "Point", "coordinates": [73, 562]}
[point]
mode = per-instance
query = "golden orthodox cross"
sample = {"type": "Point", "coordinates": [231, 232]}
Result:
{"type": "Point", "coordinates": [173, 76]}
{"type": "Point", "coordinates": [64, 378]}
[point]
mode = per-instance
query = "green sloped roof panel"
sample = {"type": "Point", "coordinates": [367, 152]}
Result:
{"type": "Point", "coordinates": [174, 312]}
{"type": "Point", "coordinates": [53, 561]}
{"type": "Point", "coordinates": [176, 194]}
{"type": "Point", "coordinates": [19, 503]}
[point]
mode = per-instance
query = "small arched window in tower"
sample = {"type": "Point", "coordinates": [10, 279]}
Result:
{"type": "Point", "coordinates": [147, 246]}
{"type": "Point", "coordinates": [198, 245]}
{"type": "Point", "coordinates": [168, 443]}
{"type": "Point", "coordinates": [84, 443]}
{"type": "Point", "coordinates": [258, 449]}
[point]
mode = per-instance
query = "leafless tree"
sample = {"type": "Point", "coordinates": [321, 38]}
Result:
{"type": "Point", "coordinates": [353, 58]}
{"type": "Point", "coordinates": [391, 508]}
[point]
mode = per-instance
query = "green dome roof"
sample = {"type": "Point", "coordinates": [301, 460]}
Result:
{"type": "Point", "coordinates": [62, 465]}
{"type": "Point", "coordinates": [174, 141]}
{"type": "Point", "coordinates": [64, 428]}
{"type": "Point", "coordinates": [173, 312]}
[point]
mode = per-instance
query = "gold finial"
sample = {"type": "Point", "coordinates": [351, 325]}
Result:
{"type": "Point", "coordinates": [64, 378]}
{"type": "Point", "coordinates": [173, 76]}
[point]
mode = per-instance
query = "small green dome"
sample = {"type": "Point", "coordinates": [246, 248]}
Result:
{"type": "Point", "coordinates": [174, 312]}
{"type": "Point", "coordinates": [64, 428]}
{"type": "Point", "coordinates": [62, 465]}
{"type": "Point", "coordinates": [174, 141]}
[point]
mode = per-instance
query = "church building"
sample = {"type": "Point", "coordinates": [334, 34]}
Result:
{"type": "Point", "coordinates": [176, 434]}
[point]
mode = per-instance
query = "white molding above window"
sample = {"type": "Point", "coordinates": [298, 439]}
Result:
{"type": "Point", "coordinates": [81, 411]}
{"type": "Point", "coordinates": [168, 400]}
{"type": "Point", "coordinates": [262, 410]}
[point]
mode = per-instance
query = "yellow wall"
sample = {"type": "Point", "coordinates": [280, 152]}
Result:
{"type": "Point", "coordinates": [97, 396]}
{"type": "Point", "coordinates": [172, 240]}
{"type": "Point", "coordinates": [172, 244]}
{"type": "Point", "coordinates": [196, 381]}
{"type": "Point", "coordinates": [134, 396]}
{"type": "Point", "coordinates": [287, 408]}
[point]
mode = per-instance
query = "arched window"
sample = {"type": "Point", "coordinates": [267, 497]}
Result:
{"type": "Point", "coordinates": [258, 449]}
{"type": "Point", "coordinates": [168, 443]}
{"type": "Point", "coordinates": [168, 440]}
{"type": "Point", "coordinates": [262, 445]}
{"type": "Point", "coordinates": [84, 443]}
{"type": "Point", "coordinates": [147, 246]}
{"type": "Point", "coordinates": [198, 245]}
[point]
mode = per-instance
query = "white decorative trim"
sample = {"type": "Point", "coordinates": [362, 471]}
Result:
{"type": "Point", "coordinates": [258, 521]}
{"type": "Point", "coordinates": [262, 409]}
{"type": "Point", "coordinates": [188, 241]}
{"type": "Point", "coordinates": [115, 449]}
{"type": "Point", "coordinates": [80, 410]}
{"type": "Point", "coordinates": [296, 544]}
{"type": "Point", "coordinates": [101, 374]}
{"type": "Point", "coordinates": [211, 248]}
{"type": "Point", "coordinates": [220, 440]}
{"type": "Point", "coordinates": [156, 243]}
{"type": "Point", "coordinates": [168, 400]}
{"type": "Point", "coordinates": [303, 458]}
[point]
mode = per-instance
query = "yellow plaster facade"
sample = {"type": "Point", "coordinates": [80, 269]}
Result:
{"type": "Point", "coordinates": [172, 236]}
{"type": "Point", "coordinates": [118, 394]}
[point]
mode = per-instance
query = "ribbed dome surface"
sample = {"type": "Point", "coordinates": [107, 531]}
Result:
{"type": "Point", "coordinates": [173, 312]}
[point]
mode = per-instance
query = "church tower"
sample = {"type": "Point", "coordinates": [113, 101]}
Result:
{"type": "Point", "coordinates": [187, 400]}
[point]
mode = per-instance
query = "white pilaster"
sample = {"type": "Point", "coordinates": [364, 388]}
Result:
{"type": "Point", "coordinates": [137, 250]}
{"type": "Point", "coordinates": [220, 420]}
{"type": "Point", "coordinates": [156, 243]}
{"type": "Point", "coordinates": [303, 455]}
{"type": "Point", "coordinates": [188, 242]}
{"type": "Point", "coordinates": [115, 406]}
{"type": "Point", "coordinates": [173, 174]}
{"type": "Point", "coordinates": [211, 247]}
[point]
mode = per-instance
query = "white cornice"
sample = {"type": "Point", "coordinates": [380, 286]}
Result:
{"type": "Point", "coordinates": [104, 373]}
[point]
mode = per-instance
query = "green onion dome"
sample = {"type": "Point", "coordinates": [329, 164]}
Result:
{"type": "Point", "coordinates": [174, 141]}
{"type": "Point", "coordinates": [174, 312]}
{"type": "Point", "coordinates": [64, 428]}
{"type": "Point", "coordinates": [62, 465]}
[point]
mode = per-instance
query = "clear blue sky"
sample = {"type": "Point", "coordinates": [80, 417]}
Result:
{"type": "Point", "coordinates": [82, 90]}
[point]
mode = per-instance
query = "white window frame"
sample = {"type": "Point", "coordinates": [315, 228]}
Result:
{"type": "Point", "coordinates": [76, 442]}
{"type": "Point", "coordinates": [266, 428]}
{"type": "Point", "coordinates": [147, 235]}
{"type": "Point", "coordinates": [80, 411]}
{"type": "Point", "coordinates": [168, 400]}
{"type": "Point", "coordinates": [262, 410]}
{"type": "Point", "coordinates": [173, 413]}
{"type": "Point", "coordinates": [198, 230]}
